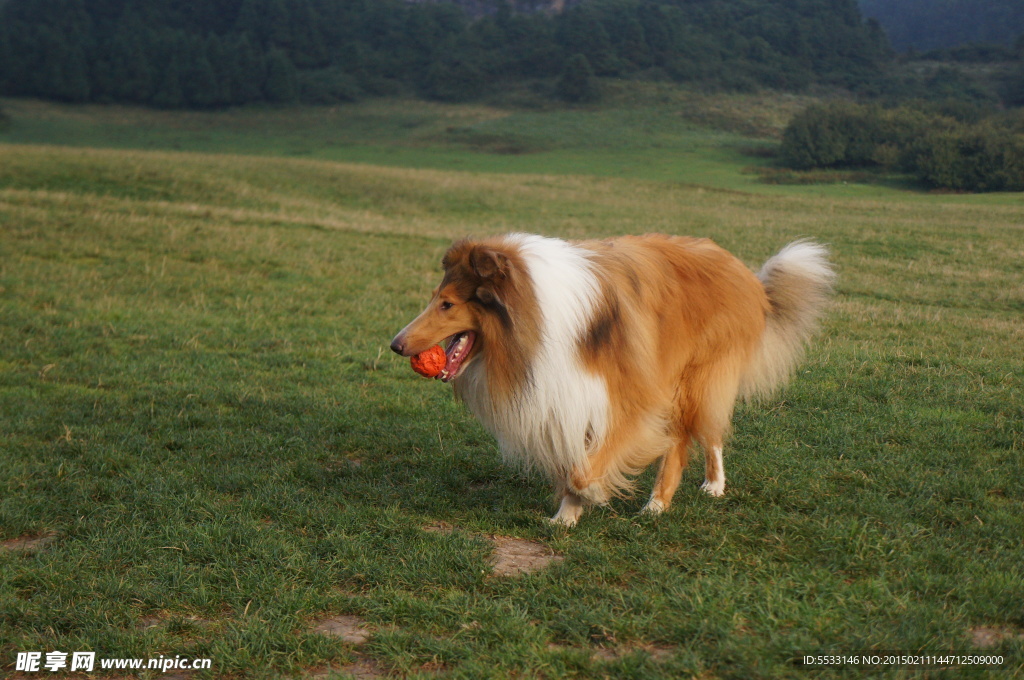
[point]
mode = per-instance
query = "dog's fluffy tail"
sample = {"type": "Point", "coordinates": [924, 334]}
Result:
{"type": "Point", "coordinates": [798, 281]}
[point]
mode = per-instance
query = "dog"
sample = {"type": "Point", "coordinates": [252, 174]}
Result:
{"type": "Point", "coordinates": [592, 359]}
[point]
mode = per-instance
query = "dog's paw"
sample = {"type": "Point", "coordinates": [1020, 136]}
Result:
{"type": "Point", "coordinates": [654, 507]}
{"type": "Point", "coordinates": [567, 521]}
{"type": "Point", "coordinates": [569, 511]}
{"type": "Point", "coordinates": [716, 489]}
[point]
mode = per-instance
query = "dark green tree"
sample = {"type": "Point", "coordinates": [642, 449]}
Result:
{"type": "Point", "coordinates": [131, 75]}
{"type": "Point", "coordinates": [453, 78]}
{"type": "Point", "coordinates": [626, 34]}
{"type": "Point", "coordinates": [577, 83]}
{"type": "Point", "coordinates": [77, 86]}
{"type": "Point", "coordinates": [581, 32]}
{"type": "Point", "coordinates": [221, 61]}
{"type": "Point", "coordinates": [6, 60]}
{"type": "Point", "coordinates": [200, 87]}
{"type": "Point", "coordinates": [307, 49]}
{"type": "Point", "coordinates": [62, 74]}
{"type": "Point", "coordinates": [267, 21]}
{"type": "Point", "coordinates": [281, 86]}
{"type": "Point", "coordinates": [245, 71]}
{"type": "Point", "coordinates": [118, 50]}
{"type": "Point", "coordinates": [659, 30]}
{"type": "Point", "coordinates": [169, 92]}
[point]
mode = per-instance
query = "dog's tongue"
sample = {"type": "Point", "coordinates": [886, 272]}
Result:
{"type": "Point", "coordinates": [458, 350]}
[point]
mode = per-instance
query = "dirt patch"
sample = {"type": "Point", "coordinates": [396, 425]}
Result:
{"type": "Point", "coordinates": [174, 622]}
{"type": "Point", "coordinates": [515, 556]}
{"type": "Point", "coordinates": [617, 652]}
{"type": "Point", "coordinates": [512, 556]}
{"type": "Point", "coordinates": [351, 629]}
{"type": "Point", "coordinates": [344, 464]}
{"type": "Point", "coordinates": [28, 544]}
{"type": "Point", "coordinates": [147, 622]}
{"type": "Point", "coordinates": [992, 636]}
{"type": "Point", "coordinates": [658, 651]}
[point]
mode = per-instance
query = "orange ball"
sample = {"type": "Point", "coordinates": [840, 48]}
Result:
{"type": "Point", "coordinates": [429, 363]}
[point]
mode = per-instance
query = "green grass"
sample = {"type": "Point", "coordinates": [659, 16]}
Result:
{"type": "Point", "coordinates": [198, 403]}
{"type": "Point", "coordinates": [641, 131]}
{"type": "Point", "coordinates": [627, 139]}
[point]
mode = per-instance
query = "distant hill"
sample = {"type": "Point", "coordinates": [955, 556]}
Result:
{"type": "Point", "coordinates": [928, 25]}
{"type": "Point", "coordinates": [478, 8]}
{"type": "Point", "coordinates": [215, 53]}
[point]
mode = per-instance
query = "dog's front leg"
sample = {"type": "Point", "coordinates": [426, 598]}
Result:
{"type": "Point", "coordinates": [569, 510]}
{"type": "Point", "coordinates": [587, 483]}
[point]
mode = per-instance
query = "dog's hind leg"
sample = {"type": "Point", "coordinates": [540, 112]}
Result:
{"type": "Point", "coordinates": [714, 471]}
{"type": "Point", "coordinates": [671, 471]}
{"type": "Point", "coordinates": [712, 427]}
{"type": "Point", "coordinates": [712, 422]}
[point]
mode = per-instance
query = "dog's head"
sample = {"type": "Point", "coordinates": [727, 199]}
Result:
{"type": "Point", "coordinates": [470, 304]}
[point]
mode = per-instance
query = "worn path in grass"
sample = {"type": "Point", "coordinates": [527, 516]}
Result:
{"type": "Point", "coordinates": [210, 451]}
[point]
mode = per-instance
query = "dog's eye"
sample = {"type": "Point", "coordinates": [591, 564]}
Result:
{"type": "Point", "coordinates": [445, 306]}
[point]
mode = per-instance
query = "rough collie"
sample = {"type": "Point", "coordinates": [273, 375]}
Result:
{"type": "Point", "coordinates": [592, 359]}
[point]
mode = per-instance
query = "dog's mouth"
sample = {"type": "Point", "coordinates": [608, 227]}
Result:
{"type": "Point", "coordinates": [456, 354]}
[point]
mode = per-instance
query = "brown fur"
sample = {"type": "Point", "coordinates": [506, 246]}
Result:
{"type": "Point", "coordinates": [681, 318]}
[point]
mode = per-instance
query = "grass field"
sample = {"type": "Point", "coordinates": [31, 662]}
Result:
{"type": "Point", "coordinates": [208, 451]}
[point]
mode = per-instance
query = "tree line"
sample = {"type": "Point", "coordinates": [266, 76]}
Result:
{"type": "Point", "coordinates": [215, 53]}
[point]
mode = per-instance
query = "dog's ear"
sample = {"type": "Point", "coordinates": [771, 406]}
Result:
{"type": "Point", "coordinates": [488, 263]}
{"type": "Point", "coordinates": [488, 296]}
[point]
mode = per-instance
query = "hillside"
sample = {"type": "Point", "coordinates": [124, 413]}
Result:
{"type": "Point", "coordinates": [479, 8]}
{"type": "Point", "coordinates": [229, 52]}
{"type": "Point", "coordinates": [928, 25]}
{"type": "Point", "coordinates": [642, 131]}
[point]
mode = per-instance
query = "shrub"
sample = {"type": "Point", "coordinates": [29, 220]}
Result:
{"type": "Point", "coordinates": [976, 158]}
{"type": "Point", "coordinates": [812, 141]}
{"type": "Point", "coordinates": [839, 134]}
{"type": "Point", "coordinates": [1013, 87]}
{"type": "Point", "coordinates": [940, 150]}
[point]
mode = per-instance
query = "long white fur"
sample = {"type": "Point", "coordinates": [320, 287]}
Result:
{"type": "Point", "coordinates": [798, 280]}
{"type": "Point", "coordinates": [562, 413]}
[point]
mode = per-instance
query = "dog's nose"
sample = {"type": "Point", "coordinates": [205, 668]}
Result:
{"type": "Point", "coordinates": [398, 344]}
